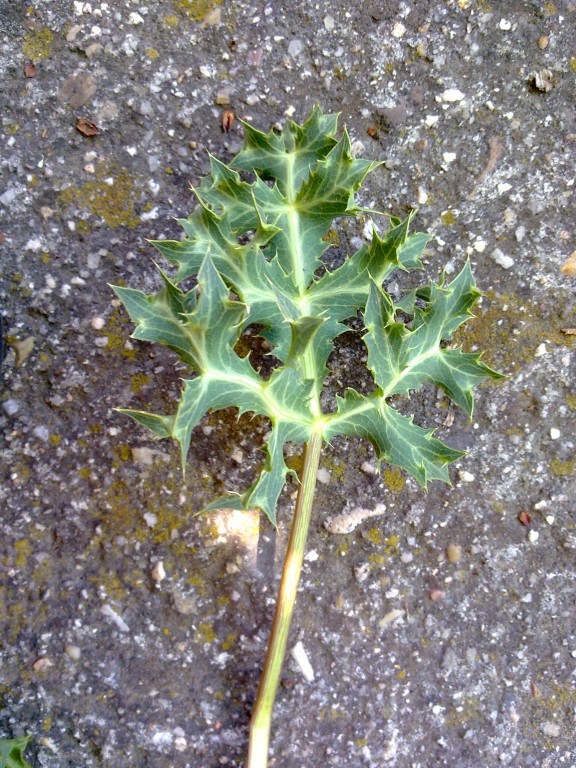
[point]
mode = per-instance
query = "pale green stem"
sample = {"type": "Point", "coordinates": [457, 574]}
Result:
{"type": "Point", "coordinates": [262, 712]}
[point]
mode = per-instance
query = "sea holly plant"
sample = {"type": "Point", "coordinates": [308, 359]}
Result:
{"type": "Point", "coordinates": [254, 245]}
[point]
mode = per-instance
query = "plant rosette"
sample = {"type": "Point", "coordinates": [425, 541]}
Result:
{"type": "Point", "coordinates": [255, 248]}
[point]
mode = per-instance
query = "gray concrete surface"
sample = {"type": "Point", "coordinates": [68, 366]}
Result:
{"type": "Point", "coordinates": [441, 633]}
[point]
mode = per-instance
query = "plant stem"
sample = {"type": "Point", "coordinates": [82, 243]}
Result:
{"type": "Point", "coordinates": [262, 713]}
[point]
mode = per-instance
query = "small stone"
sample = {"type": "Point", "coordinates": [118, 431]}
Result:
{"type": "Point", "coordinates": [390, 750]}
{"type": "Point", "coordinates": [398, 30]}
{"type": "Point", "coordinates": [505, 25]}
{"type": "Point", "coordinates": [223, 97]}
{"type": "Point", "coordinates": [97, 323]}
{"type": "Point", "coordinates": [41, 665]}
{"type": "Point", "coordinates": [329, 23]}
{"type": "Point", "coordinates": [323, 476]}
{"type": "Point", "coordinates": [554, 433]}
{"type": "Point", "coordinates": [368, 468]}
{"type": "Point", "coordinates": [73, 32]}
{"type": "Point", "coordinates": [543, 41]}
{"type": "Point", "coordinates": [42, 433]}
{"type": "Point", "coordinates": [541, 350]}
{"type": "Point", "coordinates": [550, 519]}
{"type": "Point", "coordinates": [184, 604]}
{"type": "Point", "coordinates": [452, 95]}
{"type": "Point", "coordinates": [295, 48]}
{"type": "Point", "coordinates": [150, 519]}
{"type": "Point", "coordinates": [361, 572]}
{"type": "Point", "coordinates": [10, 407]}
{"type": "Point", "coordinates": [300, 656]}
{"type": "Point", "coordinates": [465, 476]}
{"type": "Point", "coordinates": [422, 196]}
{"type": "Point", "coordinates": [22, 349]}
{"type": "Point", "coordinates": [134, 19]}
{"type": "Point", "coordinates": [163, 739]}
{"type": "Point", "coordinates": [146, 109]}
{"type": "Point", "coordinates": [158, 573]}
{"type": "Point", "coordinates": [143, 455]}
{"type": "Point", "coordinates": [454, 553]}
{"type": "Point", "coordinates": [480, 245]}
{"type": "Point", "coordinates": [449, 157]}
{"type": "Point", "coordinates": [550, 729]}
{"type": "Point", "coordinates": [7, 197]}
{"type": "Point", "coordinates": [107, 610]}
{"type": "Point", "coordinates": [533, 537]}
{"type": "Point", "coordinates": [391, 617]}
{"type": "Point", "coordinates": [569, 266]}
{"type": "Point", "coordinates": [73, 652]}
{"type": "Point", "coordinates": [502, 259]}
{"type": "Point", "coordinates": [180, 743]}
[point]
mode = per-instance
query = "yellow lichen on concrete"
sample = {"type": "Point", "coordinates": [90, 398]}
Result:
{"type": "Point", "coordinates": [205, 633]}
{"type": "Point", "coordinates": [394, 479]}
{"type": "Point", "coordinates": [510, 329]}
{"type": "Point", "coordinates": [23, 550]}
{"type": "Point", "coordinates": [562, 468]}
{"type": "Point", "coordinates": [110, 195]}
{"type": "Point", "coordinates": [37, 44]}
{"type": "Point", "coordinates": [197, 10]}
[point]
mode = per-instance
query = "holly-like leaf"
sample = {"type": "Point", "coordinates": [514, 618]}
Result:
{"type": "Point", "coordinates": [255, 247]}
{"type": "Point", "coordinates": [12, 753]}
{"type": "Point", "coordinates": [401, 359]}
{"type": "Point", "coordinates": [395, 437]}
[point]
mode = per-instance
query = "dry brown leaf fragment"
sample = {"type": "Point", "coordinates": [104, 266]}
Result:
{"type": "Point", "coordinates": [569, 331]}
{"type": "Point", "coordinates": [569, 266]}
{"type": "Point", "coordinates": [227, 120]}
{"type": "Point", "coordinates": [524, 517]}
{"type": "Point", "coordinates": [87, 127]}
{"type": "Point", "coordinates": [30, 69]}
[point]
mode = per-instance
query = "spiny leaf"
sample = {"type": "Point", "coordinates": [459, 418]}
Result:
{"type": "Point", "coordinates": [255, 248]}
{"type": "Point", "coordinates": [395, 437]}
{"type": "Point", "coordinates": [12, 753]}
{"type": "Point", "coordinates": [401, 359]}
{"type": "Point", "coordinates": [288, 157]}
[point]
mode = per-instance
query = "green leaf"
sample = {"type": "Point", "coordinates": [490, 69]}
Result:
{"type": "Point", "coordinates": [345, 290]}
{"type": "Point", "coordinates": [255, 248]}
{"type": "Point", "coordinates": [395, 437]}
{"type": "Point", "coordinates": [288, 157]}
{"type": "Point", "coordinates": [12, 753]}
{"type": "Point", "coordinates": [401, 359]}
